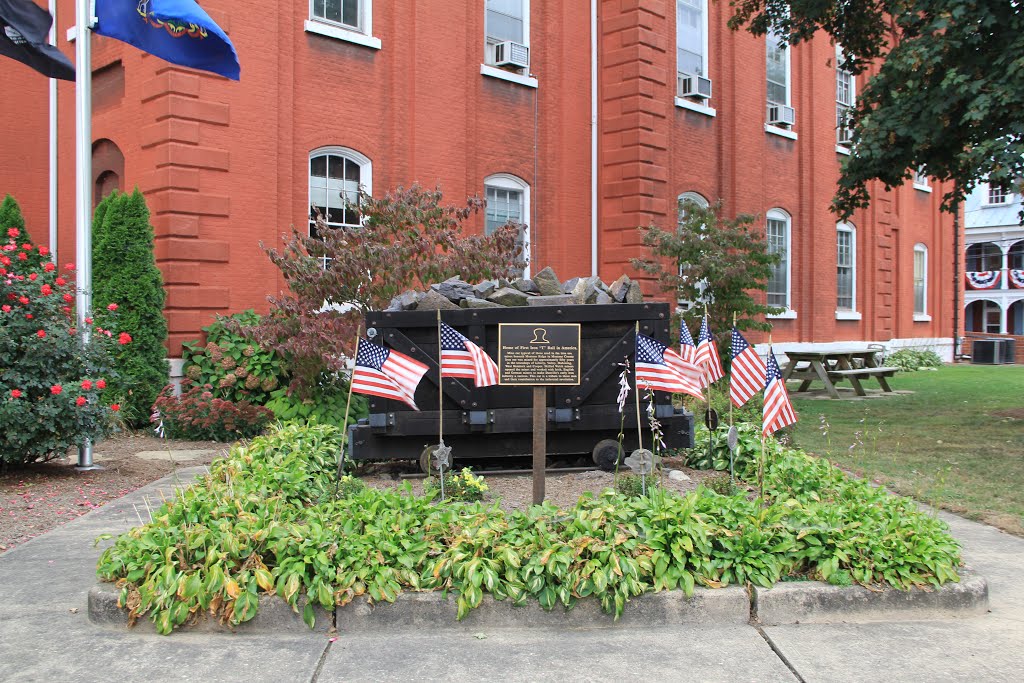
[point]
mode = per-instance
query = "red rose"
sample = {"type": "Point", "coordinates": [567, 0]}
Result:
{"type": "Point", "coordinates": [22, 256]}
{"type": "Point", "coordinates": [49, 267]}
{"type": "Point", "coordinates": [27, 246]}
{"type": "Point", "coordinates": [33, 276]}
{"type": "Point", "coordinates": [23, 299]}
{"type": "Point", "coordinates": [115, 407]}
{"type": "Point", "coordinates": [124, 338]}
{"type": "Point", "coordinates": [41, 334]}
{"type": "Point", "coordinates": [6, 308]}
{"type": "Point", "coordinates": [101, 384]}
{"type": "Point", "coordinates": [61, 281]}
{"type": "Point", "coordinates": [56, 389]}
{"type": "Point", "coordinates": [4, 260]}
{"type": "Point", "coordinates": [69, 266]}
{"type": "Point", "coordinates": [43, 251]}
{"type": "Point", "coordinates": [68, 298]}
{"type": "Point", "coordinates": [88, 321]}
{"type": "Point", "coordinates": [15, 393]}
{"type": "Point", "coordinates": [112, 307]}
{"type": "Point", "coordinates": [47, 290]}
{"type": "Point", "coordinates": [80, 401]}
{"type": "Point", "coordinates": [86, 385]}
{"type": "Point", "coordinates": [28, 316]}
{"type": "Point", "coordinates": [12, 232]}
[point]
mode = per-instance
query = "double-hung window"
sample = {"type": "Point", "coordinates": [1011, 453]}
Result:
{"type": "Point", "coordinates": [336, 174]}
{"type": "Point", "coordinates": [778, 234]}
{"type": "Point", "coordinates": [846, 97]}
{"type": "Point", "coordinates": [346, 13]}
{"type": "Point", "coordinates": [778, 70]}
{"type": "Point", "coordinates": [348, 20]}
{"type": "Point", "coordinates": [846, 255]}
{"type": "Point", "coordinates": [692, 49]}
{"type": "Point", "coordinates": [920, 281]}
{"type": "Point", "coordinates": [998, 193]}
{"type": "Point", "coordinates": [508, 201]}
{"type": "Point", "coordinates": [507, 31]}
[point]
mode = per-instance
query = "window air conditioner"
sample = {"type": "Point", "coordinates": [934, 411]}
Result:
{"type": "Point", "coordinates": [781, 115]}
{"type": "Point", "coordinates": [694, 86]}
{"type": "Point", "coordinates": [509, 53]}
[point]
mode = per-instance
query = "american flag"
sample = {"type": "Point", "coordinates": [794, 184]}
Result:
{"type": "Point", "coordinates": [661, 368]}
{"type": "Point", "coordinates": [707, 354]}
{"type": "Point", "coordinates": [746, 376]}
{"type": "Point", "coordinates": [462, 358]}
{"type": "Point", "coordinates": [686, 347]}
{"type": "Point", "coordinates": [778, 411]}
{"type": "Point", "coordinates": [386, 373]}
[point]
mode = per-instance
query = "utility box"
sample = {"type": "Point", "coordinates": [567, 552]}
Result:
{"type": "Point", "coordinates": [994, 351]}
{"type": "Point", "coordinates": [496, 421]}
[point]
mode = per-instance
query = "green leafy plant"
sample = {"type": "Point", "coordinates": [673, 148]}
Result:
{"type": "Point", "coordinates": [408, 240]}
{"type": "Point", "coordinates": [125, 276]}
{"type": "Point", "coordinates": [721, 484]}
{"type": "Point", "coordinates": [632, 486]}
{"type": "Point", "coordinates": [325, 404]}
{"type": "Point", "coordinates": [911, 360]}
{"type": "Point", "coordinates": [748, 447]}
{"type": "Point", "coordinates": [12, 228]}
{"type": "Point", "coordinates": [464, 485]}
{"type": "Point", "coordinates": [199, 415]}
{"type": "Point", "coordinates": [233, 365]}
{"type": "Point", "coordinates": [50, 384]}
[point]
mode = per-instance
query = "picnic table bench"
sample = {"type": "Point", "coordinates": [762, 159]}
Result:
{"type": "Point", "coordinates": [835, 365]}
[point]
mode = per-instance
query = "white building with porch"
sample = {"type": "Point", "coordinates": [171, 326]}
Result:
{"type": "Point", "coordinates": [994, 277]}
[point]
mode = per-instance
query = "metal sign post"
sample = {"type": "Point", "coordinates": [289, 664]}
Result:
{"type": "Point", "coordinates": [539, 355]}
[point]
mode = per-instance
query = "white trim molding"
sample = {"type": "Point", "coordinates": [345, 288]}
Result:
{"type": "Point", "coordinates": [511, 76]}
{"type": "Point", "coordinates": [340, 33]}
{"type": "Point", "coordinates": [693, 106]}
{"type": "Point", "coordinates": [781, 132]}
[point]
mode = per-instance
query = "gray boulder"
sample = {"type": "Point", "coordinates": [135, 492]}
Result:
{"type": "Point", "coordinates": [569, 286]}
{"type": "Point", "coordinates": [478, 303]}
{"type": "Point", "coordinates": [507, 296]}
{"type": "Point", "coordinates": [547, 282]}
{"type": "Point", "coordinates": [634, 295]}
{"type": "Point", "coordinates": [619, 288]}
{"type": "Point", "coordinates": [527, 286]}
{"type": "Point", "coordinates": [603, 298]}
{"type": "Point", "coordinates": [484, 289]}
{"type": "Point", "coordinates": [553, 300]}
{"type": "Point", "coordinates": [454, 289]}
{"type": "Point", "coordinates": [433, 300]}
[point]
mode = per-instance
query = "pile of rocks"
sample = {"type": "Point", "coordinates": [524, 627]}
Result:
{"type": "Point", "coordinates": [543, 289]}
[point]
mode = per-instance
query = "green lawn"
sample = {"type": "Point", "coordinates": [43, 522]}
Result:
{"type": "Point", "coordinates": [957, 442]}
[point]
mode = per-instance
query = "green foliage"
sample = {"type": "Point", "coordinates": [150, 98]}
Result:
{"type": "Point", "coordinates": [200, 416]}
{"type": "Point", "coordinates": [712, 260]}
{"type": "Point", "coordinates": [632, 485]}
{"type": "Point", "coordinates": [49, 384]}
{"type": "Point", "coordinates": [349, 486]}
{"type": "Point", "coordinates": [947, 98]}
{"type": "Point", "coordinates": [125, 275]}
{"type": "Point", "coordinates": [748, 447]}
{"type": "Point", "coordinates": [910, 360]}
{"type": "Point", "coordinates": [325, 403]}
{"type": "Point", "coordinates": [464, 486]}
{"type": "Point", "coordinates": [266, 520]}
{"type": "Point", "coordinates": [409, 240]}
{"type": "Point", "coordinates": [12, 229]}
{"type": "Point", "coordinates": [721, 484]}
{"type": "Point", "coordinates": [235, 367]}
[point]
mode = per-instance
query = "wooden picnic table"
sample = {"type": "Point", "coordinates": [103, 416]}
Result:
{"type": "Point", "coordinates": [852, 363]}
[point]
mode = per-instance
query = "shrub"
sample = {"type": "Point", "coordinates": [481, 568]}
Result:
{"type": "Point", "coordinates": [125, 274]}
{"type": "Point", "coordinates": [325, 404]}
{"type": "Point", "coordinates": [234, 366]}
{"type": "Point", "coordinates": [748, 447]}
{"type": "Point", "coordinates": [721, 484]}
{"type": "Point", "coordinates": [464, 486]}
{"type": "Point", "coordinates": [50, 384]}
{"type": "Point", "coordinates": [911, 360]}
{"type": "Point", "coordinates": [12, 229]}
{"type": "Point", "coordinates": [632, 485]}
{"type": "Point", "coordinates": [198, 415]}
{"type": "Point", "coordinates": [409, 239]}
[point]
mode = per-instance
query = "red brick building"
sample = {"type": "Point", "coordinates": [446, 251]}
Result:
{"type": "Point", "coordinates": [490, 98]}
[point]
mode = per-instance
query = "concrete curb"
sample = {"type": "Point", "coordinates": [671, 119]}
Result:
{"type": "Point", "coordinates": [818, 603]}
{"type": "Point", "coordinates": [787, 603]}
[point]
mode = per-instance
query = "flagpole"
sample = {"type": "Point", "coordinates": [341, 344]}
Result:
{"type": "Point", "coordinates": [636, 386]}
{"type": "Point", "coordinates": [83, 177]}
{"type": "Point", "coordinates": [344, 428]}
{"type": "Point", "coordinates": [731, 375]}
{"type": "Point", "coordinates": [53, 142]}
{"type": "Point", "coordinates": [707, 413]}
{"type": "Point", "coordinates": [440, 387]}
{"type": "Point", "coordinates": [760, 463]}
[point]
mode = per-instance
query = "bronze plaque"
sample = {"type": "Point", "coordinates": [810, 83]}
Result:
{"type": "Point", "coordinates": [539, 354]}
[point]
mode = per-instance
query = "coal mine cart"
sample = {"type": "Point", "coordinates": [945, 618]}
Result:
{"type": "Point", "coordinates": [496, 422]}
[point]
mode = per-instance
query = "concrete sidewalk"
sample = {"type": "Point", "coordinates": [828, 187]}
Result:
{"type": "Point", "coordinates": [45, 634]}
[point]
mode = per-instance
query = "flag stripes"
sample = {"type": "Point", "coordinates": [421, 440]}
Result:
{"type": "Point", "coordinates": [386, 373]}
{"type": "Point", "coordinates": [747, 373]}
{"type": "Point", "coordinates": [462, 358]}
{"type": "Point", "coordinates": [707, 354]}
{"type": "Point", "coordinates": [778, 411]}
{"type": "Point", "coordinates": [662, 369]}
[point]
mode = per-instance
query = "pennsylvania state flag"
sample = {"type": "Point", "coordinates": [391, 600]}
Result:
{"type": "Point", "coordinates": [176, 30]}
{"type": "Point", "coordinates": [24, 26]}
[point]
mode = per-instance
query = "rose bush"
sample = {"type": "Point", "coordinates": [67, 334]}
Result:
{"type": "Point", "coordinates": [49, 383]}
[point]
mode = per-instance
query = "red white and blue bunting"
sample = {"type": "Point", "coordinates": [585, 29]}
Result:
{"type": "Point", "coordinates": [982, 279]}
{"type": "Point", "coordinates": [1016, 278]}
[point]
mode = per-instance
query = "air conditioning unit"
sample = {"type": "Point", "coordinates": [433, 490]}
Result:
{"type": "Point", "coordinates": [781, 115]}
{"type": "Point", "coordinates": [694, 86]}
{"type": "Point", "coordinates": [509, 53]}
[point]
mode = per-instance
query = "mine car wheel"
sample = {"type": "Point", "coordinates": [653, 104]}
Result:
{"type": "Point", "coordinates": [426, 458]}
{"type": "Point", "coordinates": [606, 453]}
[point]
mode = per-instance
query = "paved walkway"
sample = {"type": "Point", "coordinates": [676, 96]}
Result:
{"type": "Point", "coordinates": [45, 635]}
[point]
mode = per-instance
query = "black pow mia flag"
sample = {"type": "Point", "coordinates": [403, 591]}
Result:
{"type": "Point", "coordinates": [24, 26]}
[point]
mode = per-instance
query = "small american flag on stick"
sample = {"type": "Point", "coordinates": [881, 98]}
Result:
{"type": "Point", "coordinates": [778, 411]}
{"type": "Point", "coordinates": [707, 353]}
{"type": "Point", "coordinates": [380, 371]}
{"type": "Point", "coordinates": [462, 358]}
{"type": "Point", "coordinates": [662, 369]}
{"type": "Point", "coordinates": [747, 374]}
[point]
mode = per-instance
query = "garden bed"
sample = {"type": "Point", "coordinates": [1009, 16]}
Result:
{"type": "Point", "coordinates": [267, 521]}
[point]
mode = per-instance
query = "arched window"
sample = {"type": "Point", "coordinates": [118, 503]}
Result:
{"type": "Point", "coordinates": [983, 256]}
{"type": "Point", "coordinates": [690, 198]}
{"type": "Point", "coordinates": [107, 169]}
{"type": "Point", "coordinates": [920, 281]}
{"type": "Point", "coordinates": [846, 267]}
{"type": "Point", "coordinates": [779, 234]}
{"type": "Point", "coordinates": [335, 176]}
{"type": "Point", "coordinates": [508, 201]}
{"type": "Point", "coordinates": [1015, 259]}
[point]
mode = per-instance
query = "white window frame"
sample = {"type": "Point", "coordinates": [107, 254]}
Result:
{"type": "Point", "coordinates": [1005, 195]}
{"type": "Point", "coordinates": [781, 215]}
{"type": "Point", "coordinates": [851, 312]}
{"type": "Point", "coordinates": [360, 35]}
{"type": "Point", "coordinates": [705, 61]}
{"type": "Point", "coordinates": [922, 315]}
{"type": "Point", "coordinates": [701, 201]}
{"type": "Point", "coordinates": [489, 44]}
{"type": "Point", "coordinates": [921, 180]}
{"type": "Point", "coordinates": [789, 70]}
{"type": "Point", "coordinates": [841, 106]}
{"type": "Point", "coordinates": [507, 181]}
{"type": "Point", "coordinates": [365, 173]}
